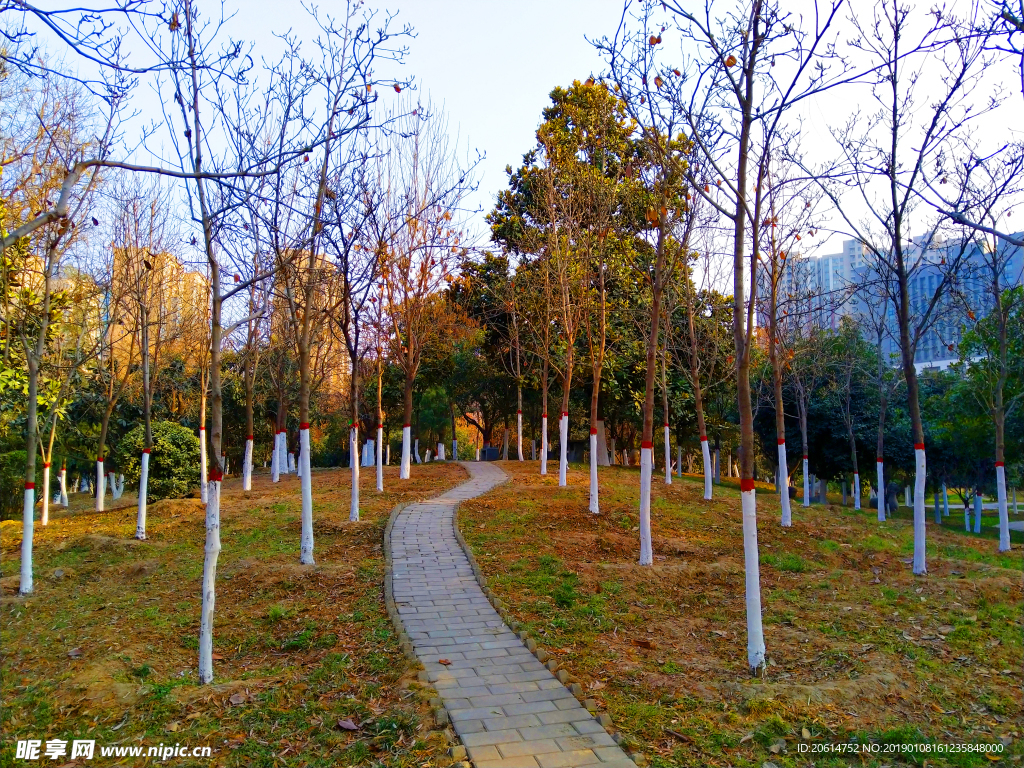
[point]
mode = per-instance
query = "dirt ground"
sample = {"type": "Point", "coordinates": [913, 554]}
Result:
{"type": "Point", "coordinates": [308, 669]}
{"type": "Point", "coordinates": [858, 647]}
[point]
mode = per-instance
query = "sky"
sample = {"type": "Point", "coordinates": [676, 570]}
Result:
{"type": "Point", "coordinates": [491, 64]}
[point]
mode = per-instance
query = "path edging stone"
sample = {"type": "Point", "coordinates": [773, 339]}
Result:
{"type": "Point", "coordinates": [602, 718]}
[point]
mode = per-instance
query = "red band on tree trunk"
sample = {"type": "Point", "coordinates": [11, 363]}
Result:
{"type": "Point", "coordinates": [145, 450]}
{"type": "Point", "coordinates": [856, 474]}
{"type": "Point", "coordinates": [879, 459]}
{"type": "Point", "coordinates": [565, 413]}
{"type": "Point", "coordinates": [805, 457]}
{"type": "Point", "coordinates": [782, 441]}
{"type": "Point", "coordinates": [647, 444]}
{"type": "Point", "coordinates": [918, 446]}
{"type": "Point", "coordinates": [593, 431]}
{"type": "Point", "coordinates": [703, 438]}
{"type": "Point", "coordinates": [543, 415]}
{"type": "Point", "coordinates": [30, 486]}
{"type": "Point", "coordinates": [998, 464]}
{"type": "Point", "coordinates": [99, 458]}
{"type": "Point", "coordinates": [216, 475]}
{"type": "Point", "coordinates": [518, 412]}
{"type": "Point", "coordinates": [380, 426]}
{"type": "Point", "coordinates": [746, 485]}
{"type": "Point", "coordinates": [406, 425]}
{"type": "Point", "coordinates": [304, 425]}
{"type": "Point", "coordinates": [47, 464]}
{"type": "Point", "coordinates": [668, 426]}
{"type": "Point", "coordinates": [249, 437]}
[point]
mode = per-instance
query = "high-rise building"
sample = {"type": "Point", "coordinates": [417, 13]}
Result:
{"type": "Point", "coordinates": [820, 290]}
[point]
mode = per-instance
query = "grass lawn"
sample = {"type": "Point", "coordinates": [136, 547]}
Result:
{"type": "Point", "coordinates": [106, 648]}
{"type": "Point", "coordinates": [857, 646]}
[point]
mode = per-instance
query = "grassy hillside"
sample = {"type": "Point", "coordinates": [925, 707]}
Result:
{"type": "Point", "coordinates": [857, 645]}
{"type": "Point", "coordinates": [106, 648]}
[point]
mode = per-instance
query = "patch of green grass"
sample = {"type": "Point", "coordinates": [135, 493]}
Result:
{"type": "Point", "coordinates": [788, 561]}
{"type": "Point", "coordinates": [828, 546]}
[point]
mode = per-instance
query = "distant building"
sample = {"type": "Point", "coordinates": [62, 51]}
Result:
{"type": "Point", "coordinates": [819, 291]}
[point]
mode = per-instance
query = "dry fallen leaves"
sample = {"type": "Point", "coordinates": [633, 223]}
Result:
{"type": "Point", "coordinates": [444, 661]}
{"type": "Point", "coordinates": [347, 725]}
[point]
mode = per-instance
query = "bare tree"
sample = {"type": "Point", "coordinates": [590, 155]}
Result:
{"type": "Point", "coordinates": [888, 161]}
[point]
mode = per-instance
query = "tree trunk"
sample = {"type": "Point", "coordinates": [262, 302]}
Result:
{"type": "Point", "coordinates": [353, 510]}
{"type": "Point", "coordinates": [544, 418]}
{"type": "Point", "coordinates": [140, 523]}
{"type": "Point", "coordinates": [664, 408]}
{"type": "Point", "coordinates": [101, 478]}
{"type": "Point", "coordinates": [29, 501]}
{"type": "Point", "coordinates": [406, 427]}
{"type": "Point", "coordinates": [647, 444]}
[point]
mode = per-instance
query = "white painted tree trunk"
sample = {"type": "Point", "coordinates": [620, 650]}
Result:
{"type": "Point", "coordinates": [668, 456]}
{"type": "Point", "coordinates": [945, 501]}
{"type": "Point", "coordinates": [211, 553]}
{"type": "Point", "coordinates": [247, 465]}
{"type": "Point", "coordinates": [275, 459]}
{"type": "Point", "coordinates": [612, 458]}
{"type": "Point", "coordinates": [602, 445]}
{"type": "Point", "coordinates": [291, 462]}
{"type": "Point", "coordinates": [646, 472]}
{"type": "Point", "coordinates": [440, 452]}
{"type": "Point", "coordinates": [101, 485]}
{"type": "Point", "coordinates": [1004, 518]}
{"type": "Point", "coordinates": [920, 566]}
{"type": "Point", "coordinates": [403, 473]}
{"type": "Point", "coordinates": [455, 450]}
{"type": "Point", "coordinates": [380, 458]}
{"type": "Point", "coordinates": [203, 466]}
{"type": "Point", "coordinates": [544, 444]}
{"type": "Point", "coordinates": [298, 461]}
{"type": "Point", "coordinates": [427, 456]}
{"type": "Point", "coordinates": [755, 631]}
{"type": "Point", "coordinates": [306, 544]}
{"type": "Point", "coordinates": [705, 450]}
{"type": "Point", "coordinates": [595, 506]}
{"type": "Point", "coordinates": [116, 486]}
{"type": "Point", "coordinates": [807, 484]}
{"type": "Point", "coordinates": [44, 516]}
{"type": "Point", "coordinates": [679, 461]}
{"type": "Point", "coordinates": [979, 506]}
{"type": "Point", "coordinates": [83, 485]}
{"type": "Point", "coordinates": [519, 435]}
{"type": "Point", "coordinates": [387, 455]}
{"type": "Point", "coordinates": [64, 488]}
{"type": "Point", "coordinates": [563, 448]}
{"type": "Point", "coordinates": [880, 480]}
{"type": "Point", "coordinates": [856, 490]}
{"type": "Point", "coordinates": [27, 525]}
{"type": "Point", "coordinates": [416, 450]}
{"type": "Point", "coordinates": [787, 509]}
{"type": "Point", "coordinates": [353, 441]}
{"type": "Point", "coordinates": [140, 522]}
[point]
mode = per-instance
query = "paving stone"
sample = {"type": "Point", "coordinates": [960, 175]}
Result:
{"type": "Point", "coordinates": [507, 708]}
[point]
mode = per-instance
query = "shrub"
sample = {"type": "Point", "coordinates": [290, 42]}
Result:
{"type": "Point", "coordinates": [12, 483]}
{"type": "Point", "coordinates": [173, 461]}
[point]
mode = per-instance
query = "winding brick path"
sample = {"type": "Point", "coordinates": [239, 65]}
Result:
{"type": "Point", "coordinates": [508, 708]}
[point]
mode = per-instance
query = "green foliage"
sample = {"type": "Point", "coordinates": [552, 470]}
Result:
{"type": "Point", "coordinates": [173, 461]}
{"type": "Point", "coordinates": [12, 483]}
